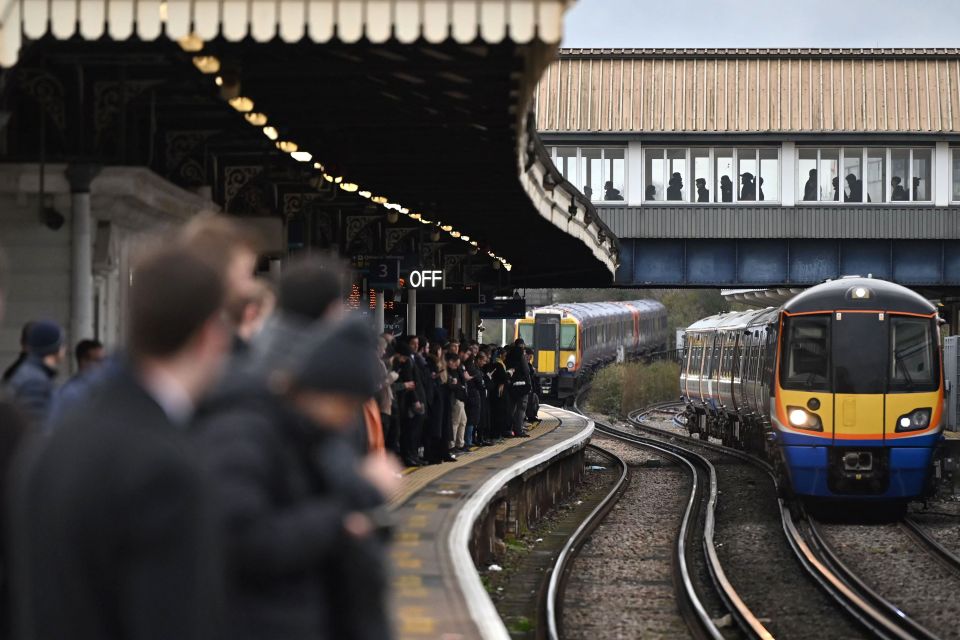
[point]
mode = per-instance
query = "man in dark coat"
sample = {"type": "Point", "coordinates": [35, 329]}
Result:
{"type": "Point", "coordinates": [110, 521]}
{"type": "Point", "coordinates": [32, 384]}
{"type": "Point", "coordinates": [282, 517]}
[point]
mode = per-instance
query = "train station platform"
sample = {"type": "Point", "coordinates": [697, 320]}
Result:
{"type": "Point", "coordinates": [447, 515]}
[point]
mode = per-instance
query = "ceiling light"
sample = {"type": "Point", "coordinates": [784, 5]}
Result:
{"type": "Point", "coordinates": [286, 146]}
{"type": "Point", "coordinates": [507, 266]}
{"type": "Point", "coordinates": [218, 81]}
{"type": "Point", "coordinates": [465, 238]}
{"type": "Point", "coordinates": [241, 104]}
{"type": "Point", "coordinates": [455, 234]}
{"type": "Point", "coordinates": [379, 199]}
{"type": "Point", "coordinates": [191, 43]}
{"type": "Point", "coordinates": [302, 156]}
{"type": "Point", "coordinates": [364, 194]}
{"type": "Point", "coordinates": [425, 221]}
{"type": "Point", "coordinates": [206, 64]}
{"type": "Point", "coordinates": [404, 210]}
{"type": "Point", "coordinates": [446, 227]}
{"type": "Point", "coordinates": [473, 242]}
{"type": "Point", "coordinates": [256, 118]}
{"type": "Point", "coordinates": [270, 132]}
{"type": "Point", "coordinates": [317, 165]}
{"type": "Point", "coordinates": [338, 179]}
{"type": "Point", "coordinates": [349, 187]}
{"type": "Point", "coordinates": [415, 216]}
{"type": "Point", "coordinates": [328, 177]}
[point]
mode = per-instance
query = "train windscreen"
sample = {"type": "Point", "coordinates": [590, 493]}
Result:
{"type": "Point", "coordinates": [859, 353]}
{"type": "Point", "coordinates": [568, 337]}
{"type": "Point", "coordinates": [806, 358]}
{"type": "Point", "coordinates": [913, 349]}
{"type": "Point", "coordinates": [526, 333]}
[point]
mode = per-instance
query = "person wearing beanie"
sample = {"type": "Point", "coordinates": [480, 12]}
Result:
{"type": "Point", "coordinates": [32, 384]}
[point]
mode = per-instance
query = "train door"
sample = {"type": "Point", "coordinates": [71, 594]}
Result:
{"type": "Point", "coordinates": [859, 375]}
{"type": "Point", "coordinates": [546, 343]}
{"type": "Point", "coordinates": [746, 343]}
{"type": "Point", "coordinates": [758, 370]}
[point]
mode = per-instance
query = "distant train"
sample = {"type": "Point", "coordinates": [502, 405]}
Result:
{"type": "Point", "coordinates": [841, 387]}
{"type": "Point", "coordinates": [570, 340]}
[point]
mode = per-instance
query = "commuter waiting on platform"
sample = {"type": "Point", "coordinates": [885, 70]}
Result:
{"type": "Point", "coordinates": [726, 189]}
{"type": "Point", "coordinates": [810, 187]}
{"type": "Point", "coordinates": [898, 193]}
{"type": "Point", "coordinates": [675, 187]}
{"type": "Point", "coordinates": [32, 385]}
{"type": "Point", "coordinates": [609, 193]}
{"type": "Point", "coordinates": [703, 194]}
{"type": "Point", "coordinates": [10, 370]}
{"type": "Point", "coordinates": [90, 355]}
{"type": "Point", "coordinates": [748, 186]}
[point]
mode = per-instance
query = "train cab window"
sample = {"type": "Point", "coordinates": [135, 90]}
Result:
{"type": "Point", "coordinates": [526, 334]}
{"type": "Point", "coordinates": [568, 337]}
{"type": "Point", "coordinates": [913, 365]}
{"type": "Point", "coordinates": [806, 358]}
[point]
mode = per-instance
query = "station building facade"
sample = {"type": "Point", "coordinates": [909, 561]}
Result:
{"type": "Point", "coordinates": [758, 167]}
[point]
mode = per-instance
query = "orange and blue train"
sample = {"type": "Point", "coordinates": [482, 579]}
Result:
{"type": "Point", "coordinates": [841, 387]}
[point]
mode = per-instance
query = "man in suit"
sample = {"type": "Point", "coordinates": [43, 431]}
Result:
{"type": "Point", "coordinates": [110, 522]}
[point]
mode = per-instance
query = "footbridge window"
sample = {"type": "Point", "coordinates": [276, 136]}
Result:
{"type": "Point", "coordinates": [955, 176]}
{"type": "Point", "coordinates": [865, 174]}
{"type": "Point", "coordinates": [706, 175]}
{"type": "Point", "coordinates": [598, 172]}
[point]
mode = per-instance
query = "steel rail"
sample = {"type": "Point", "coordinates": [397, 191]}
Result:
{"type": "Point", "coordinates": [749, 624]}
{"type": "Point", "coordinates": [931, 545]}
{"type": "Point", "coordinates": [872, 611]}
{"type": "Point", "coordinates": [559, 572]}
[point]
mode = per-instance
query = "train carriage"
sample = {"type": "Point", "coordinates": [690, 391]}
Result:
{"type": "Point", "coordinates": [570, 340]}
{"type": "Point", "coordinates": [842, 387]}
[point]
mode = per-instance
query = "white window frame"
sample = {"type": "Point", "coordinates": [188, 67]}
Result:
{"type": "Point", "coordinates": [712, 174]}
{"type": "Point", "coordinates": [603, 158]}
{"type": "Point", "coordinates": [888, 173]}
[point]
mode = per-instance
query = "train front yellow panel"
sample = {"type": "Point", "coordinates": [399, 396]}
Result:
{"type": "Point", "coordinates": [787, 399]}
{"type": "Point", "coordinates": [903, 404]}
{"type": "Point", "coordinates": [546, 362]}
{"type": "Point", "coordinates": [858, 416]}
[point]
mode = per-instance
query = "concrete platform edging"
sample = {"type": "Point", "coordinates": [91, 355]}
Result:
{"type": "Point", "coordinates": [481, 607]}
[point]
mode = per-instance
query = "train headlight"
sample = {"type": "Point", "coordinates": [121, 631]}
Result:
{"type": "Point", "coordinates": [914, 421]}
{"type": "Point", "coordinates": [803, 419]}
{"type": "Point", "coordinates": [571, 362]}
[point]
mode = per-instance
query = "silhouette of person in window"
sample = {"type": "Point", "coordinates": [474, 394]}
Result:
{"type": "Point", "coordinates": [609, 193]}
{"type": "Point", "coordinates": [836, 188]}
{"type": "Point", "coordinates": [651, 193]}
{"type": "Point", "coordinates": [760, 187]}
{"type": "Point", "coordinates": [748, 186]}
{"type": "Point", "coordinates": [675, 187]}
{"type": "Point", "coordinates": [916, 187]}
{"type": "Point", "coordinates": [703, 194]}
{"type": "Point", "coordinates": [726, 189]}
{"type": "Point", "coordinates": [810, 187]}
{"type": "Point", "coordinates": [899, 193]}
{"type": "Point", "coordinates": [854, 189]}
{"type": "Point", "coordinates": [587, 191]}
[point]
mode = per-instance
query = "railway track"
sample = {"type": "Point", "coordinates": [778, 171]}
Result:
{"type": "Point", "coordinates": [561, 567]}
{"type": "Point", "coordinates": [696, 532]}
{"type": "Point", "coordinates": [875, 613]}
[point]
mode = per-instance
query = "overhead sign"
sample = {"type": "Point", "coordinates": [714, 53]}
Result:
{"type": "Point", "coordinates": [511, 308]}
{"type": "Point", "coordinates": [455, 295]}
{"type": "Point", "coordinates": [426, 279]}
{"type": "Point", "coordinates": [383, 273]}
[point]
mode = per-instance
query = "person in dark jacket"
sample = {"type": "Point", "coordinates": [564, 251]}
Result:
{"type": "Point", "coordinates": [474, 387]}
{"type": "Point", "coordinates": [282, 519]}
{"type": "Point", "coordinates": [10, 370]}
{"type": "Point", "coordinates": [411, 401]}
{"type": "Point", "coordinates": [32, 385]}
{"type": "Point", "coordinates": [110, 522]}
{"type": "Point", "coordinates": [519, 386]}
{"type": "Point", "coordinates": [499, 398]}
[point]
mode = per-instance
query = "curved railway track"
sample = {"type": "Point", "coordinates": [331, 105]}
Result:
{"type": "Point", "coordinates": [878, 615]}
{"type": "Point", "coordinates": [700, 506]}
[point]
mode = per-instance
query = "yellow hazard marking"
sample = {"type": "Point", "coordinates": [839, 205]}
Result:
{"type": "Point", "coordinates": [426, 506]}
{"type": "Point", "coordinates": [415, 621]}
{"type": "Point", "coordinates": [417, 521]}
{"type": "Point", "coordinates": [407, 538]}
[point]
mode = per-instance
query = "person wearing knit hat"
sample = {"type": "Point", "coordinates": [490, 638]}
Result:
{"type": "Point", "coordinates": [32, 385]}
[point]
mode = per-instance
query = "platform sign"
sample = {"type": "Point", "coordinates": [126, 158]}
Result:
{"type": "Point", "coordinates": [452, 295]}
{"type": "Point", "coordinates": [384, 273]}
{"type": "Point", "coordinates": [511, 308]}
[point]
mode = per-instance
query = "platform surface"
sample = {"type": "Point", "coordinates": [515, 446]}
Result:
{"type": "Point", "coordinates": [427, 601]}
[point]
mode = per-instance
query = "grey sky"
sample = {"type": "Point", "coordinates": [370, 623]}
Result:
{"type": "Point", "coordinates": [763, 23]}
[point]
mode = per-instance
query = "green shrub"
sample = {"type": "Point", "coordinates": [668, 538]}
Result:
{"type": "Point", "coordinates": [621, 388]}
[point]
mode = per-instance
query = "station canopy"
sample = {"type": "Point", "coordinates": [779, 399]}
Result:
{"type": "Point", "coordinates": [419, 106]}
